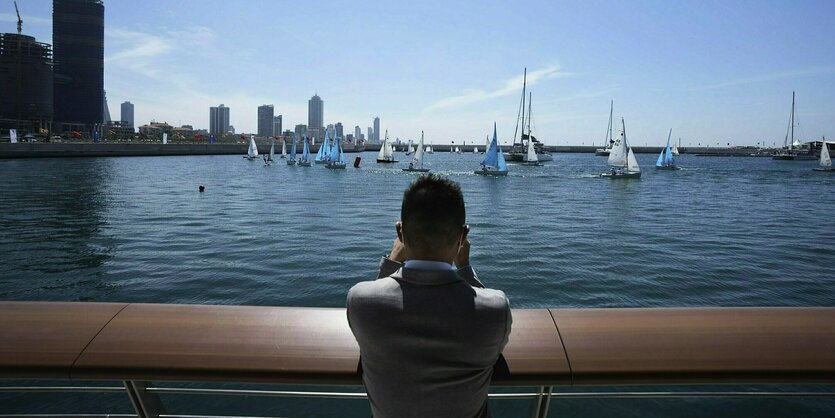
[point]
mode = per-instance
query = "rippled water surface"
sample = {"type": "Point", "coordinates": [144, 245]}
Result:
{"type": "Point", "coordinates": [719, 232]}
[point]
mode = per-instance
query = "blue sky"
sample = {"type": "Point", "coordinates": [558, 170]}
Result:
{"type": "Point", "coordinates": [713, 71]}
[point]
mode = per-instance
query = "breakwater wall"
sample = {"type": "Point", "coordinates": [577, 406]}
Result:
{"type": "Point", "coordinates": [138, 149]}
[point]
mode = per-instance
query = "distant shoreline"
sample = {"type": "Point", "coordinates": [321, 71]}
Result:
{"type": "Point", "coordinates": [128, 149]}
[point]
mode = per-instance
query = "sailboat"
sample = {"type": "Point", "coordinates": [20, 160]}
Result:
{"type": "Point", "coordinates": [304, 161]}
{"type": "Point", "coordinates": [292, 159]}
{"type": "Point", "coordinates": [336, 160]}
{"type": "Point", "coordinates": [252, 152]}
{"type": "Point", "coordinates": [283, 148]}
{"type": "Point", "coordinates": [323, 155]}
{"type": "Point", "coordinates": [457, 150]}
{"type": "Point", "coordinates": [410, 149]}
{"type": "Point", "coordinates": [269, 159]}
{"type": "Point", "coordinates": [665, 159]}
{"type": "Point", "coordinates": [493, 163]}
{"type": "Point", "coordinates": [531, 159]}
{"type": "Point", "coordinates": [790, 144]}
{"type": "Point", "coordinates": [429, 149]}
{"type": "Point", "coordinates": [622, 159]}
{"type": "Point", "coordinates": [417, 160]}
{"type": "Point", "coordinates": [675, 148]}
{"type": "Point", "coordinates": [825, 161]}
{"type": "Point", "coordinates": [475, 150]}
{"type": "Point", "coordinates": [519, 150]}
{"type": "Point", "coordinates": [608, 141]}
{"type": "Point", "coordinates": [386, 154]}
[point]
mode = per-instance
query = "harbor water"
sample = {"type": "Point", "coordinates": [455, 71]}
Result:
{"type": "Point", "coordinates": [719, 232]}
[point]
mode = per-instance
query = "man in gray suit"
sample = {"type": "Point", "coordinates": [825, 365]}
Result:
{"type": "Point", "coordinates": [429, 334]}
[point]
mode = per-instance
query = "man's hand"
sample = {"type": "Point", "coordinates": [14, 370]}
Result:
{"type": "Point", "coordinates": [462, 259]}
{"type": "Point", "coordinates": [398, 251]}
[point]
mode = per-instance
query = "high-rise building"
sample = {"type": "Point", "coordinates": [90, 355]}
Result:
{"type": "Point", "coordinates": [219, 120]}
{"type": "Point", "coordinates": [377, 128]}
{"type": "Point", "coordinates": [277, 128]}
{"type": "Point", "coordinates": [357, 132]}
{"type": "Point", "coordinates": [301, 131]}
{"type": "Point", "coordinates": [370, 135]}
{"type": "Point", "coordinates": [315, 117]}
{"type": "Point", "coordinates": [26, 101]}
{"type": "Point", "coordinates": [339, 130]}
{"type": "Point", "coordinates": [78, 42]}
{"type": "Point", "coordinates": [127, 114]}
{"type": "Point", "coordinates": [265, 120]}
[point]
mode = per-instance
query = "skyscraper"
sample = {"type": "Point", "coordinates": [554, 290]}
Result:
{"type": "Point", "coordinates": [377, 128]}
{"type": "Point", "coordinates": [370, 135]}
{"type": "Point", "coordinates": [127, 114]}
{"type": "Point", "coordinates": [357, 132]}
{"type": "Point", "coordinates": [339, 130]}
{"type": "Point", "coordinates": [301, 131]}
{"type": "Point", "coordinates": [78, 42]}
{"type": "Point", "coordinates": [26, 101]}
{"type": "Point", "coordinates": [265, 120]}
{"type": "Point", "coordinates": [277, 128]}
{"type": "Point", "coordinates": [315, 117]}
{"type": "Point", "coordinates": [219, 120]}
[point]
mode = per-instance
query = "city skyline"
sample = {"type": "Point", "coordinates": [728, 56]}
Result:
{"type": "Point", "coordinates": [712, 71]}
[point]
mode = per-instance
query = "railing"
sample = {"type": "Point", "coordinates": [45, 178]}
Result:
{"type": "Point", "coordinates": [138, 344]}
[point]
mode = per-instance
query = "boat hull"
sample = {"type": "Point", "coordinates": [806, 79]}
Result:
{"type": "Point", "coordinates": [320, 161]}
{"type": "Point", "coordinates": [418, 170]}
{"type": "Point", "coordinates": [615, 176]}
{"type": "Point", "coordinates": [667, 167]}
{"type": "Point", "coordinates": [825, 170]}
{"type": "Point", "coordinates": [490, 172]}
{"type": "Point", "coordinates": [304, 164]}
{"type": "Point", "coordinates": [532, 164]}
{"type": "Point", "coordinates": [512, 156]}
{"type": "Point", "coordinates": [386, 161]}
{"type": "Point", "coordinates": [336, 166]}
{"type": "Point", "coordinates": [291, 162]}
{"type": "Point", "coordinates": [794, 157]}
{"type": "Point", "coordinates": [601, 152]}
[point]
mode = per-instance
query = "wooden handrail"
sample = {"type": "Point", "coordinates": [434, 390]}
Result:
{"type": "Point", "coordinates": [244, 344]}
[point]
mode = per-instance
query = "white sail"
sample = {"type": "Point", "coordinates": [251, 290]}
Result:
{"type": "Point", "coordinates": [417, 160]}
{"type": "Point", "coordinates": [825, 160]}
{"type": "Point", "coordinates": [632, 163]}
{"type": "Point", "coordinates": [272, 150]}
{"type": "Point", "coordinates": [617, 155]}
{"type": "Point", "coordinates": [531, 153]}
{"type": "Point", "coordinates": [253, 149]}
{"type": "Point", "coordinates": [410, 149]}
{"type": "Point", "coordinates": [386, 150]}
{"type": "Point", "coordinates": [475, 150]}
{"type": "Point", "coordinates": [283, 149]}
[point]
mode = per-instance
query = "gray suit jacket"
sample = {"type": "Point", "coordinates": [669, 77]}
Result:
{"type": "Point", "coordinates": [428, 341]}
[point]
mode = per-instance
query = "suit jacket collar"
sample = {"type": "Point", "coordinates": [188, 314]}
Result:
{"type": "Point", "coordinates": [426, 277]}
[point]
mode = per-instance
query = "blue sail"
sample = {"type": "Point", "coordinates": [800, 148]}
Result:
{"type": "Point", "coordinates": [293, 149]}
{"type": "Point", "coordinates": [491, 157]}
{"type": "Point", "coordinates": [502, 163]}
{"type": "Point", "coordinates": [660, 161]}
{"type": "Point", "coordinates": [324, 149]}
{"type": "Point", "coordinates": [668, 156]}
{"type": "Point", "coordinates": [305, 151]}
{"type": "Point", "coordinates": [334, 151]}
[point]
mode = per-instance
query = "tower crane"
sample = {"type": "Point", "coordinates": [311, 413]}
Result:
{"type": "Point", "coordinates": [19, 20]}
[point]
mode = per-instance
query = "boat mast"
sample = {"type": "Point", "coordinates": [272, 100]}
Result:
{"type": "Point", "coordinates": [608, 138]}
{"type": "Point", "coordinates": [625, 144]}
{"type": "Point", "coordinates": [791, 144]}
{"type": "Point", "coordinates": [524, 84]}
{"type": "Point", "coordinates": [530, 101]}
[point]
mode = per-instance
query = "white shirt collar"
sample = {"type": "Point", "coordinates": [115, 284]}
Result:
{"type": "Point", "coordinates": [427, 265]}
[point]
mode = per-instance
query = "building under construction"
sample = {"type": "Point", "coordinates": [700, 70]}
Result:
{"type": "Point", "coordinates": [26, 103]}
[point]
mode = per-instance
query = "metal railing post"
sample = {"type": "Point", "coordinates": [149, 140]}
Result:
{"type": "Point", "coordinates": [541, 402]}
{"type": "Point", "coordinates": [146, 404]}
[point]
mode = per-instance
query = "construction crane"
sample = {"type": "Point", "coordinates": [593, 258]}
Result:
{"type": "Point", "coordinates": [19, 20]}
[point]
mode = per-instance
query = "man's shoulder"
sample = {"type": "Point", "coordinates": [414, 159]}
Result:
{"type": "Point", "coordinates": [491, 298]}
{"type": "Point", "coordinates": [372, 288]}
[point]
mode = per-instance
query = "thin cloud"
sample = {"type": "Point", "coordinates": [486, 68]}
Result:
{"type": "Point", "coordinates": [511, 86]}
{"type": "Point", "coordinates": [768, 77]}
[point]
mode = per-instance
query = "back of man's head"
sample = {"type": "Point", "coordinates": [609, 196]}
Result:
{"type": "Point", "coordinates": [432, 213]}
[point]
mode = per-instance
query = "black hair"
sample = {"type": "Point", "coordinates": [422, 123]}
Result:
{"type": "Point", "coordinates": [432, 212]}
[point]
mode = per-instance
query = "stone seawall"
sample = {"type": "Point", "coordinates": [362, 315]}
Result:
{"type": "Point", "coordinates": [40, 150]}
